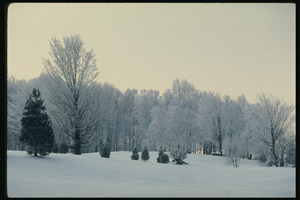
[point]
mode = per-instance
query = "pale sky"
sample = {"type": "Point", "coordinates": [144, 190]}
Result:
{"type": "Point", "coordinates": [233, 49]}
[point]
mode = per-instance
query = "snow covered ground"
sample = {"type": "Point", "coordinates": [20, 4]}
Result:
{"type": "Point", "coordinates": [89, 175]}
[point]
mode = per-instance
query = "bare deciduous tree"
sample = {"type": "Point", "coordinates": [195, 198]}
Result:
{"type": "Point", "coordinates": [72, 71]}
{"type": "Point", "coordinates": [274, 119]}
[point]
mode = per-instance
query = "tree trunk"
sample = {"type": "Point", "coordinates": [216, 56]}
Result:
{"type": "Point", "coordinates": [35, 150]}
{"type": "Point", "coordinates": [220, 147]}
{"type": "Point", "coordinates": [77, 142]}
{"type": "Point", "coordinates": [282, 160]}
{"type": "Point", "coordinates": [274, 155]}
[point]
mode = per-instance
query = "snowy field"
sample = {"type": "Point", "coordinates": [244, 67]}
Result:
{"type": "Point", "coordinates": [89, 175]}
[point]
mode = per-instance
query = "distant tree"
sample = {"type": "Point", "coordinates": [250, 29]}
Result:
{"type": "Point", "coordinates": [135, 154]}
{"type": "Point", "coordinates": [214, 118]}
{"type": "Point", "coordinates": [143, 104]}
{"type": "Point", "coordinates": [129, 138]}
{"type": "Point", "coordinates": [17, 92]}
{"type": "Point", "coordinates": [234, 125]}
{"type": "Point", "coordinates": [274, 121]}
{"type": "Point", "coordinates": [162, 157]}
{"type": "Point", "coordinates": [36, 131]}
{"type": "Point", "coordinates": [145, 154]}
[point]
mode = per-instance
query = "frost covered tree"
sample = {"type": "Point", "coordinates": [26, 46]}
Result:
{"type": "Point", "coordinates": [178, 154]}
{"type": "Point", "coordinates": [129, 119]}
{"type": "Point", "coordinates": [155, 135]}
{"type": "Point", "coordinates": [143, 104]}
{"type": "Point", "coordinates": [235, 125]}
{"type": "Point", "coordinates": [16, 99]}
{"type": "Point", "coordinates": [274, 120]}
{"type": "Point", "coordinates": [213, 118]}
{"type": "Point", "coordinates": [36, 130]}
{"type": "Point", "coordinates": [109, 121]}
{"type": "Point", "coordinates": [186, 98]}
{"type": "Point", "coordinates": [72, 71]}
{"type": "Point", "coordinates": [173, 119]}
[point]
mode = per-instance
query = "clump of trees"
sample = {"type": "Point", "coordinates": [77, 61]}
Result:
{"type": "Point", "coordinates": [135, 154]}
{"type": "Point", "coordinates": [84, 113]}
{"type": "Point", "coordinates": [36, 131]}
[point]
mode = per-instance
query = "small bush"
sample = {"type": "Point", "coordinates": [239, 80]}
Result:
{"type": "Point", "coordinates": [145, 154]}
{"type": "Point", "coordinates": [162, 157]}
{"type": "Point", "coordinates": [135, 154]}
{"type": "Point", "coordinates": [105, 151]}
{"type": "Point", "coordinates": [178, 155]}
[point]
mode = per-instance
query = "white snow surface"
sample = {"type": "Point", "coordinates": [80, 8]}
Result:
{"type": "Point", "coordinates": [89, 175]}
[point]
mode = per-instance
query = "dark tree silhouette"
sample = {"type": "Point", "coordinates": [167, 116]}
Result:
{"type": "Point", "coordinates": [36, 131]}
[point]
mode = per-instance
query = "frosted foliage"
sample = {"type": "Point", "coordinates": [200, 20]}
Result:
{"type": "Point", "coordinates": [86, 114]}
{"type": "Point", "coordinates": [72, 71]}
{"type": "Point", "coordinates": [272, 123]}
{"type": "Point", "coordinates": [17, 93]}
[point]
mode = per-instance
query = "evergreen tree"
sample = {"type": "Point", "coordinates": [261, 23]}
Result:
{"type": "Point", "coordinates": [135, 154]}
{"type": "Point", "coordinates": [145, 154]}
{"type": "Point", "coordinates": [36, 131]}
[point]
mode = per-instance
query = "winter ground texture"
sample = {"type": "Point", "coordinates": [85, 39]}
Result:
{"type": "Point", "coordinates": [89, 175]}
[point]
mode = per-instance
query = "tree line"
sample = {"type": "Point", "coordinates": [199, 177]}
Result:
{"type": "Point", "coordinates": [86, 114]}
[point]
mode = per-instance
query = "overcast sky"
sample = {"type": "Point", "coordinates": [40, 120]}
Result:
{"type": "Point", "coordinates": [231, 49]}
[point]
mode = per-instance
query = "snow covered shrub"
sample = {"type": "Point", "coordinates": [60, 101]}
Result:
{"type": "Point", "coordinates": [233, 148]}
{"type": "Point", "coordinates": [145, 154]}
{"type": "Point", "coordinates": [135, 154]}
{"type": "Point", "coordinates": [105, 151]}
{"type": "Point", "coordinates": [178, 155]}
{"type": "Point", "coordinates": [162, 157]}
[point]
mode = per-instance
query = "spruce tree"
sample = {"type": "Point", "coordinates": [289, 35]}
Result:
{"type": "Point", "coordinates": [145, 154]}
{"type": "Point", "coordinates": [36, 131]}
{"type": "Point", "coordinates": [135, 154]}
